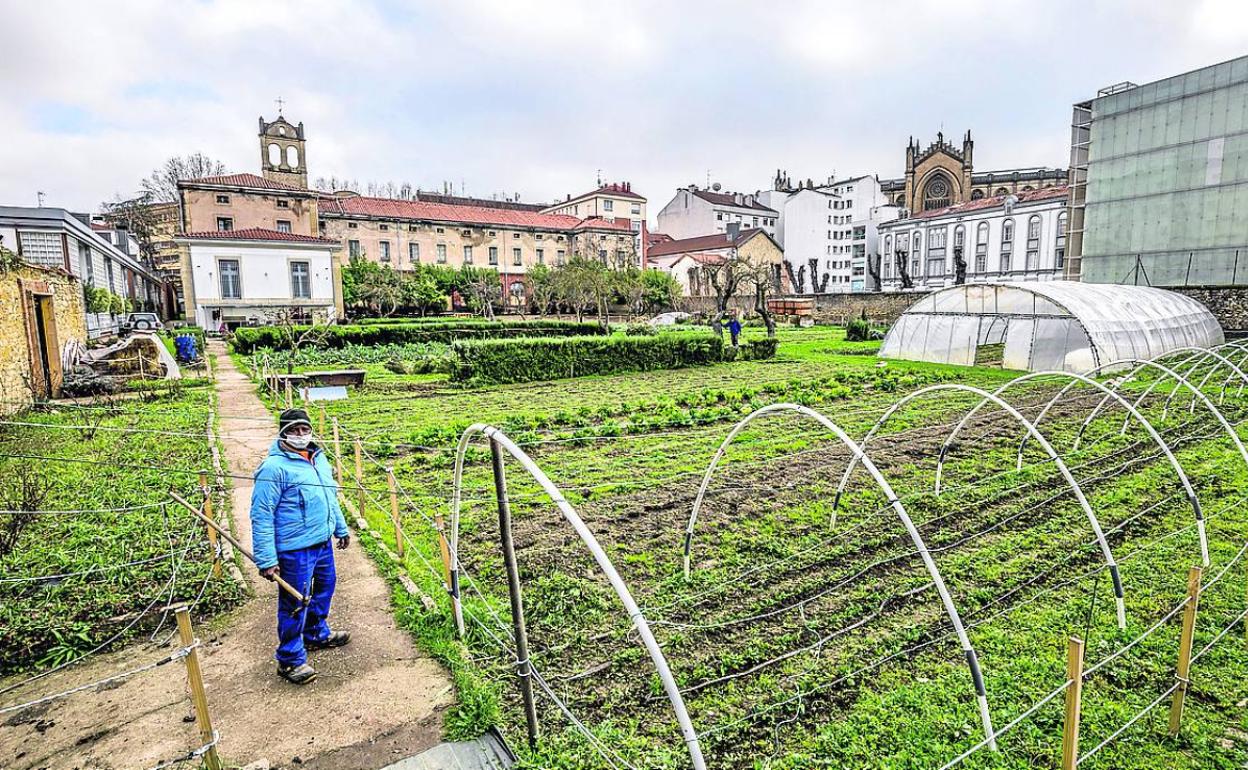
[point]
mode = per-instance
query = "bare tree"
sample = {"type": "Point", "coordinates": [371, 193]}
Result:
{"type": "Point", "coordinates": [900, 259]}
{"type": "Point", "coordinates": [874, 262]}
{"type": "Point", "coordinates": [162, 185]}
{"type": "Point", "coordinates": [295, 334]}
{"type": "Point", "coordinates": [725, 278]}
{"type": "Point", "coordinates": [764, 280]}
{"type": "Point", "coordinates": [796, 279]}
{"type": "Point", "coordinates": [136, 216]}
{"type": "Point", "coordinates": [22, 495]}
{"type": "Point", "coordinates": [817, 286]}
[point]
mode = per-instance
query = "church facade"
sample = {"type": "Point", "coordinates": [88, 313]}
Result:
{"type": "Point", "coordinates": [943, 174]}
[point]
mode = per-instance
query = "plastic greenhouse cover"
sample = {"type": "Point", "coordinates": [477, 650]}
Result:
{"type": "Point", "coordinates": [1053, 324]}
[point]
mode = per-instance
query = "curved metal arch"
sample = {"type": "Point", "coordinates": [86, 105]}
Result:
{"type": "Point", "coordinates": [604, 563]}
{"type": "Point", "coordinates": [972, 660]}
{"type": "Point", "coordinates": [1044, 444]}
{"type": "Point", "coordinates": [1236, 345]}
{"type": "Point", "coordinates": [1205, 352]}
{"type": "Point", "coordinates": [1132, 412]}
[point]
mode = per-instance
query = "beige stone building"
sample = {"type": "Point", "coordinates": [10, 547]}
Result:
{"type": "Point", "coordinates": [405, 233]}
{"type": "Point", "coordinates": [689, 260]}
{"type": "Point", "coordinates": [44, 313]}
{"type": "Point", "coordinates": [943, 174]}
{"type": "Point", "coordinates": [615, 202]}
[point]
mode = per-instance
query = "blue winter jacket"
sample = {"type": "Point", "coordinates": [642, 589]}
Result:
{"type": "Point", "coordinates": [293, 505]}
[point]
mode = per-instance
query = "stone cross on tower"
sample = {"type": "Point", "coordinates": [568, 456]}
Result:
{"type": "Point", "coordinates": [279, 102]}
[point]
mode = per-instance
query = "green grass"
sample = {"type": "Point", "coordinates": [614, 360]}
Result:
{"type": "Point", "coordinates": [47, 622]}
{"type": "Point", "coordinates": [629, 450]}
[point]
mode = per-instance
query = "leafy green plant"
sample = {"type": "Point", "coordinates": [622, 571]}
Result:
{"type": "Point", "coordinates": [249, 339]}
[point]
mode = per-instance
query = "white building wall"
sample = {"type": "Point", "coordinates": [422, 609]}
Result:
{"type": "Point", "coordinates": [1012, 268]}
{"type": "Point", "coordinates": [264, 279]}
{"type": "Point", "coordinates": [688, 216]}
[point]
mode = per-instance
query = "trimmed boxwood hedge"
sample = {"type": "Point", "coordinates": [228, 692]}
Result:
{"type": "Point", "coordinates": [248, 339]}
{"type": "Point", "coordinates": [500, 361]}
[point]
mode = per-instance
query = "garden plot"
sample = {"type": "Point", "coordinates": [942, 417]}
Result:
{"type": "Point", "coordinates": [806, 636]}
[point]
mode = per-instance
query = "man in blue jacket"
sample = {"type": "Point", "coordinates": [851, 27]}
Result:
{"type": "Point", "coordinates": [294, 512]}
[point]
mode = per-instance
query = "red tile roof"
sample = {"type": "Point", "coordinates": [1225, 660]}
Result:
{"type": "Point", "coordinates": [239, 180]}
{"type": "Point", "coordinates": [652, 238]}
{"type": "Point", "coordinates": [728, 199]}
{"type": "Point", "coordinates": [393, 208]}
{"type": "Point", "coordinates": [701, 257]}
{"type": "Point", "coordinates": [257, 234]}
{"type": "Point", "coordinates": [1044, 193]}
{"type": "Point", "coordinates": [598, 223]}
{"type": "Point", "coordinates": [700, 243]}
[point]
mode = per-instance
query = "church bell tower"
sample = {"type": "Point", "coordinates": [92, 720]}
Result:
{"type": "Point", "coordinates": [282, 153]}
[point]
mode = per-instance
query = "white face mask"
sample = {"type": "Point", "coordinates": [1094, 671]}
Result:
{"type": "Point", "coordinates": [298, 442]}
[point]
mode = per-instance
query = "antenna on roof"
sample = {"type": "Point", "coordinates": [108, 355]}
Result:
{"type": "Point", "coordinates": [39, 196]}
{"type": "Point", "coordinates": [708, 177]}
{"type": "Point", "coordinates": [600, 177]}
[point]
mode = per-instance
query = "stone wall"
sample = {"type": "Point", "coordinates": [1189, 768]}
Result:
{"type": "Point", "coordinates": [1229, 304]}
{"type": "Point", "coordinates": [15, 352]}
{"type": "Point", "coordinates": [882, 307]}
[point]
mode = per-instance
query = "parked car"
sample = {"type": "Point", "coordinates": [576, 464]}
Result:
{"type": "Point", "coordinates": [141, 322]}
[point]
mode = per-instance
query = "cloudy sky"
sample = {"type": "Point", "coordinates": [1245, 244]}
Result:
{"type": "Point", "coordinates": [537, 98]}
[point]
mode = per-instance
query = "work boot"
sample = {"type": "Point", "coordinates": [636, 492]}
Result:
{"type": "Point", "coordinates": [300, 674]}
{"type": "Point", "coordinates": [335, 639]}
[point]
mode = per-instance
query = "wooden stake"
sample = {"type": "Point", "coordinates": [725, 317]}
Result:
{"type": "Point", "coordinates": [320, 422]}
{"type": "Point", "coordinates": [359, 477]}
{"type": "Point", "coordinates": [290, 398]}
{"type": "Point", "coordinates": [1074, 703]}
{"type": "Point", "coordinates": [1185, 649]}
{"type": "Point", "coordinates": [394, 511]}
{"type": "Point", "coordinates": [337, 452]}
{"type": "Point", "coordinates": [444, 547]}
{"type": "Point", "coordinates": [195, 678]}
{"type": "Point", "coordinates": [212, 533]}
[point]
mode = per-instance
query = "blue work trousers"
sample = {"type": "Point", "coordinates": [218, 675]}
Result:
{"type": "Point", "coordinates": [311, 571]}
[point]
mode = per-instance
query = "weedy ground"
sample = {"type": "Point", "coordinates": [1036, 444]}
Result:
{"type": "Point", "coordinates": [810, 636]}
{"type": "Point", "coordinates": [78, 575]}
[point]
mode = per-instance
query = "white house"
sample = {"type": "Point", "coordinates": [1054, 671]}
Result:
{"type": "Point", "coordinates": [694, 212]}
{"type": "Point", "coordinates": [59, 239]}
{"type": "Point", "coordinates": [240, 275]}
{"type": "Point", "coordinates": [1003, 238]}
{"type": "Point", "coordinates": [828, 230]}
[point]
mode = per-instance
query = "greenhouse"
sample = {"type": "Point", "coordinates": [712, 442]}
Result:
{"type": "Point", "coordinates": [1065, 325]}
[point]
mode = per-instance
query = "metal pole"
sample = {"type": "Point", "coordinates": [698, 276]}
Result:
{"type": "Point", "coordinates": [1074, 703]}
{"type": "Point", "coordinates": [212, 533]}
{"type": "Point", "coordinates": [523, 668]}
{"type": "Point", "coordinates": [195, 678]}
{"type": "Point", "coordinates": [1185, 649]}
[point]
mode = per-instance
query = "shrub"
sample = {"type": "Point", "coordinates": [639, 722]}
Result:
{"type": "Point", "coordinates": [858, 330]}
{"type": "Point", "coordinates": [248, 339]}
{"type": "Point", "coordinates": [640, 330]}
{"type": "Point", "coordinates": [524, 360]}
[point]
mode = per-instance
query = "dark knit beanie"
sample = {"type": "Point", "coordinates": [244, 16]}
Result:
{"type": "Point", "coordinates": [290, 418]}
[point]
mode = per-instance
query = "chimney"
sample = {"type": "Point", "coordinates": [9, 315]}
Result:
{"type": "Point", "coordinates": [738, 199]}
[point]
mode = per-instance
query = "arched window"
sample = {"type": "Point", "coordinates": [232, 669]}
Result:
{"type": "Point", "coordinates": [275, 155]}
{"type": "Point", "coordinates": [976, 194]}
{"type": "Point", "coordinates": [1060, 243]}
{"type": "Point", "coordinates": [1007, 245]}
{"type": "Point", "coordinates": [916, 252]}
{"type": "Point", "coordinates": [937, 266]}
{"type": "Point", "coordinates": [292, 156]}
{"type": "Point", "coordinates": [959, 237]}
{"type": "Point", "coordinates": [888, 244]}
{"type": "Point", "coordinates": [1028, 188]}
{"type": "Point", "coordinates": [981, 248]}
{"type": "Point", "coordinates": [937, 192]}
{"type": "Point", "coordinates": [1033, 243]}
{"type": "Point", "coordinates": [1002, 191]}
{"type": "Point", "coordinates": [901, 200]}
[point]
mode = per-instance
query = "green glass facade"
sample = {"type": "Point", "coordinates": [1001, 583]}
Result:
{"type": "Point", "coordinates": [1167, 181]}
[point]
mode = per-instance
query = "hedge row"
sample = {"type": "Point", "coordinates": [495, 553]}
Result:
{"type": "Point", "coordinates": [500, 361]}
{"type": "Point", "coordinates": [248, 339]}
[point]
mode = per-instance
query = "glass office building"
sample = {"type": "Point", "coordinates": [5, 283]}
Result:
{"type": "Point", "coordinates": [1159, 181]}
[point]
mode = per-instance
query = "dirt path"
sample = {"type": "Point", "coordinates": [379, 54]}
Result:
{"type": "Point", "coordinates": [375, 701]}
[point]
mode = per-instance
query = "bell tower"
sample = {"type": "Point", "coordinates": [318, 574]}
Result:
{"type": "Point", "coordinates": [282, 152]}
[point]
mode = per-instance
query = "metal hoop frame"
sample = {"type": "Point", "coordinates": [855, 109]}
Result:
{"type": "Point", "coordinates": [1132, 412]}
{"type": "Point", "coordinates": [600, 556]}
{"type": "Point", "coordinates": [1106, 552]}
{"type": "Point", "coordinates": [859, 454]}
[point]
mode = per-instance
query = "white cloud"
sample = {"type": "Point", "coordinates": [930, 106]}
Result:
{"type": "Point", "coordinates": [535, 97]}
